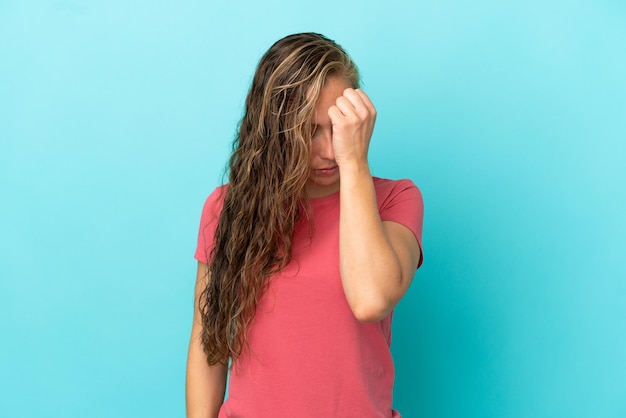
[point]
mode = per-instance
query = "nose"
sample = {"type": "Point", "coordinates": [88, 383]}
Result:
{"type": "Point", "coordinates": [326, 146]}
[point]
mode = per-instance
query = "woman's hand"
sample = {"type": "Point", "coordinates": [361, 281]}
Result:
{"type": "Point", "coordinates": [352, 117]}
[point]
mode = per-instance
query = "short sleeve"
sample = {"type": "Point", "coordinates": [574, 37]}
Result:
{"type": "Point", "coordinates": [208, 223]}
{"type": "Point", "coordinates": [401, 201]}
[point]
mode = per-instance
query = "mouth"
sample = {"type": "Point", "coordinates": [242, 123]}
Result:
{"type": "Point", "coordinates": [326, 171]}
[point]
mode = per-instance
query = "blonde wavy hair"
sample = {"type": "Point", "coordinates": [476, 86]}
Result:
{"type": "Point", "coordinates": [266, 195]}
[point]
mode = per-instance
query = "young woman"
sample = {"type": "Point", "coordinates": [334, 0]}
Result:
{"type": "Point", "coordinates": [303, 255]}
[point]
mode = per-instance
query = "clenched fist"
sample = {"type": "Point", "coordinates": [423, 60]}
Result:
{"type": "Point", "coordinates": [352, 117]}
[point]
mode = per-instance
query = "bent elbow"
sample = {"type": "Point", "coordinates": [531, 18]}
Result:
{"type": "Point", "coordinates": [375, 303]}
{"type": "Point", "coordinates": [372, 311]}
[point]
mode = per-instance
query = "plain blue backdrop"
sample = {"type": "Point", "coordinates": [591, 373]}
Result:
{"type": "Point", "coordinates": [116, 119]}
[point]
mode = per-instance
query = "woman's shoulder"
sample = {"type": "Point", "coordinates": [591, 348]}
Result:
{"type": "Point", "coordinates": [217, 195]}
{"type": "Point", "coordinates": [383, 185]}
{"type": "Point", "coordinates": [214, 202]}
{"type": "Point", "coordinates": [390, 193]}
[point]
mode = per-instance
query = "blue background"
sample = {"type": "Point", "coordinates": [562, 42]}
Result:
{"type": "Point", "coordinates": [116, 119]}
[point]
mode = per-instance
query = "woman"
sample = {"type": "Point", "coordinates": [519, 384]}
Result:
{"type": "Point", "coordinates": [299, 271]}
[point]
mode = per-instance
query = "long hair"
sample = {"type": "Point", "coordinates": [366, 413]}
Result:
{"type": "Point", "coordinates": [268, 172]}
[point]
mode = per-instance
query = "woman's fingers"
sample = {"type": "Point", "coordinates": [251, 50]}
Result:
{"type": "Point", "coordinates": [352, 117]}
{"type": "Point", "coordinates": [366, 101]}
{"type": "Point", "coordinates": [354, 104]}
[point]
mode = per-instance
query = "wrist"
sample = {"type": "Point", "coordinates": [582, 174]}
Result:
{"type": "Point", "coordinates": [353, 169]}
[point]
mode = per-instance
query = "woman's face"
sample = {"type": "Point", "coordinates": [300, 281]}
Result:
{"type": "Point", "coordinates": [324, 172]}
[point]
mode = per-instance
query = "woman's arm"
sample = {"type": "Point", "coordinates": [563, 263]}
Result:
{"type": "Point", "coordinates": [377, 259]}
{"type": "Point", "coordinates": [206, 385]}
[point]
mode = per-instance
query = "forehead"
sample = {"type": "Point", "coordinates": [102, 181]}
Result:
{"type": "Point", "coordinates": [332, 89]}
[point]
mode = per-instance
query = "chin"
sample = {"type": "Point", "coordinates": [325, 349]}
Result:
{"type": "Point", "coordinates": [322, 188]}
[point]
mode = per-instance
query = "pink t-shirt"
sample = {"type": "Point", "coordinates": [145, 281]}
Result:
{"type": "Point", "coordinates": [309, 356]}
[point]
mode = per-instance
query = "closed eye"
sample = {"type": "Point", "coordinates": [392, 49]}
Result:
{"type": "Point", "coordinates": [315, 131]}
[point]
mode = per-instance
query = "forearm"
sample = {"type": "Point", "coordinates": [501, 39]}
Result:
{"type": "Point", "coordinates": [371, 274]}
{"type": "Point", "coordinates": [205, 385]}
